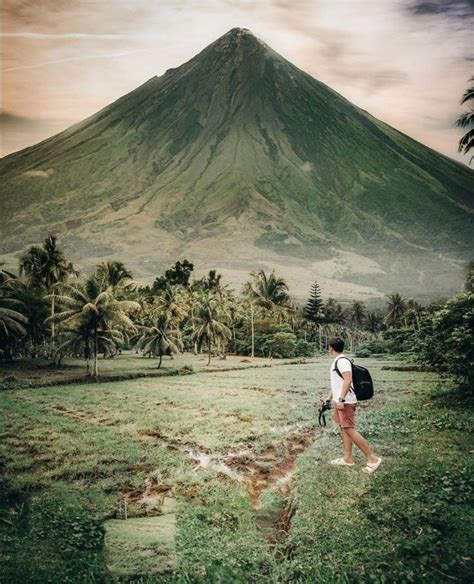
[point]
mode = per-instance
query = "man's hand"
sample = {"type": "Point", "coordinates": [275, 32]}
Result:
{"type": "Point", "coordinates": [339, 406]}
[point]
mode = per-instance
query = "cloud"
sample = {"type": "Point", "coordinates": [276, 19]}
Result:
{"type": "Point", "coordinates": [18, 132]}
{"type": "Point", "coordinates": [68, 35]}
{"type": "Point", "coordinates": [79, 58]}
{"type": "Point", "coordinates": [461, 9]}
{"type": "Point", "coordinates": [10, 120]}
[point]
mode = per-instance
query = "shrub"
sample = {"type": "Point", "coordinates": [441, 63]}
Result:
{"type": "Point", "coordinates": [445, 339]}
{"type": "Point", "coordinates": [281, 345]}
{"type": "Point", "coordinates": [304, 349]}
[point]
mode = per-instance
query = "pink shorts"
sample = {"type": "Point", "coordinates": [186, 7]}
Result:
{"type": "Point", "coordinates": [345, 418]}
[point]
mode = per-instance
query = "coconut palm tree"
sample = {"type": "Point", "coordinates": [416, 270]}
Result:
{"type": "Point", "coordinates": [373, 322]}
{"type": "Point", "coordinates": [209, 325]}
{"type": "Point", "coordinates": [235, 311]}
{"type": "Point", "coordinates": [357, 313]}
{"type": "Point", "coordinates": [413, 313]}
{"type": "Point", "coordinates": [45, 268]}
{"type": "Point", "coordinates": [396, 309]}
{"type": "Point", "coordinates": [12, 321]}
{"type": "Point", "coordinates": [114, 274]}
{"type": "Point", "coordinates": [171, 300]}
{"type": "Point", "coordinates": [268, 292]}
{"type": "Point", "coordinates": [94, 311]}
{"type": "Point", "coordinates": [160, 339]}
{"type": "Point", "coordinates": [79, 341]}
{"type": "Point", "coordinates": [333, 312]}
{"type": "Point", "coordinates": [466, 120]}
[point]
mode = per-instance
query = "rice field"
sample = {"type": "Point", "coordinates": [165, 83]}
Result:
{"type": "Point", "coordinates": [216, 476]}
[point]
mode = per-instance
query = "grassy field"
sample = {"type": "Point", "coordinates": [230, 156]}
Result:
{"type": "Point", "coordinates": [223, 477]}
{"type": "Point", "coordinates": [129, 364]}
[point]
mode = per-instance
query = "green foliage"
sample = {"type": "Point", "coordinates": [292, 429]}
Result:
{"type": "Point", "coordinates": [281, 345]}
{"type": "Point", "coordinates": [445, 339]}
{"type": "Point", "coordinates": [218, 540]}
{"type": "Point", "coordinates": [277, 340]}
{"type": "Point", "coordinates": [51, 537]}
{"type": "Point", "coordinates": [333, 312]}
{"type": "Point", "coordinates": [313, 310]}
{"type": "Point", "coordinates": [304, 349]}
{"type": "Point", "coordinates": [179, 275]}
{"type": "Point", "coordinates": [466, 120]}
{"type": "Point", "coordinates": [390, 341]}
{"type": "Point", "coordinates": [400, 340]}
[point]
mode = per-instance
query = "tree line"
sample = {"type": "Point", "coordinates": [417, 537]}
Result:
{"type": "Point", "coordinates": [49, 309]}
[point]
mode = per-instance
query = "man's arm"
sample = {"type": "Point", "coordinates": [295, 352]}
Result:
{"type": "Point", "coordinates": [347, 376]}
{"type": "Point", "coordinates": [346, 385]}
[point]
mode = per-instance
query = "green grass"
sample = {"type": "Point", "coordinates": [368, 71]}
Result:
{"type": "Point", "coordinates": [76, 460]}
{"type": "Point", "coordinates": [37, 372]}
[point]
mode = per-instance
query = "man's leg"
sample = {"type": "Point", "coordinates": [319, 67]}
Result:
{"type": "Point", "coordinates": [347, 444]}
{"type": "Point", "coordinates": [361, 443]}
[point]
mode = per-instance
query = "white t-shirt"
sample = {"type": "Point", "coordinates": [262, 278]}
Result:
{"type": "Point", "coordinates": [344, 365]}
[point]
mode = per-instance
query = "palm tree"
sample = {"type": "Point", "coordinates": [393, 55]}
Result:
{"type": "Point", "coordinates": [396, 309]}
{"type": "Point", "coordinates": [45, 269]}
{"type": "Point", "coordinates": [268, 292]}
{"type": "Point", "coordinates": [160, 339]}
{"type": "Point", "coordinates": [113, 274]}
{"type": "Point", "coordinates": [466, 120]}
{"type": "Point", "coordinates": [333, 312]}
{"type": "Point", "coordinates": [373, 322]}
{"type": "Point", "coordinates": [12, 321]}
{"type": "Point", "coordinates": [357, 313]}
{"type": "Point", "coordinates": [171, 300]}
{"type": "Point", "coordinates": [94, 311]}
{"type": "Point", "coordinates": [414, 312]}
{"type": "Point", "coordinates": [79, 340]}
{"type": "Point", "coordinates": [235, 312]}
{"type": "Point", "coordinates": [209, 327]}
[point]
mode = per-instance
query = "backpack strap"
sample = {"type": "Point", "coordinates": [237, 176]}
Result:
{"type": "Point", "coordinates": [336, 369]}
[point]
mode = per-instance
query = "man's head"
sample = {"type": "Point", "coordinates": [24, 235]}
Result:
{"type": "Point", "coordinates": [335, 346]}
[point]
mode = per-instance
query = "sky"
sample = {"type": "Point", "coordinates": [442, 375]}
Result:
{"type": "Point", "coordinates": [407, 62]}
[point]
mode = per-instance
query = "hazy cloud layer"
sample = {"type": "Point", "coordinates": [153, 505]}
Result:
{"type": "Point", "coordinates": [405, 61]}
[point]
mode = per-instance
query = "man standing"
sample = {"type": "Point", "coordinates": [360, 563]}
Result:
{"type": "Point", "coordinates": [344, 404]}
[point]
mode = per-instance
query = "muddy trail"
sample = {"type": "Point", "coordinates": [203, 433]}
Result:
{"type": "Point", "coordinates": [260, 472]}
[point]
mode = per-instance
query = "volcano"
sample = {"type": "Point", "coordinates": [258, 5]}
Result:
{"type": "Point", "coordinates": [238, 160]}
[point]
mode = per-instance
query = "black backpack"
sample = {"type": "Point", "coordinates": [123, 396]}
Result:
{"type": "Point", "coordinates": [361, 380]}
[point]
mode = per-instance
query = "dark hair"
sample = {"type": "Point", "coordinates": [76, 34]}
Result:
{"type": "Point", "coordinates": [337, 344]}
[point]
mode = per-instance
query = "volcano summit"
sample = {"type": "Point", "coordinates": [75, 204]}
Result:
{"type": "Point", "coordinates": [238, 160]}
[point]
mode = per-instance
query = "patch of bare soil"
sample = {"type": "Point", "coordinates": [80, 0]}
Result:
{"type": "Point", "coordinates": [148, 498]}
{"type": "Point", "coordinates": [198, 455]}
{"type": "Point", "coordinates": [73, 414]}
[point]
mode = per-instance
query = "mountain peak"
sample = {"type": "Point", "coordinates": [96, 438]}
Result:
{"type": "Point", "coordinates": [234, 32]}
{"type": "Point", "coordinates": [237, 37]}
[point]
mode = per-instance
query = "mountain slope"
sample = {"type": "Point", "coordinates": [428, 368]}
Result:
{"type": "Point", "coordinates": [239, 157]}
